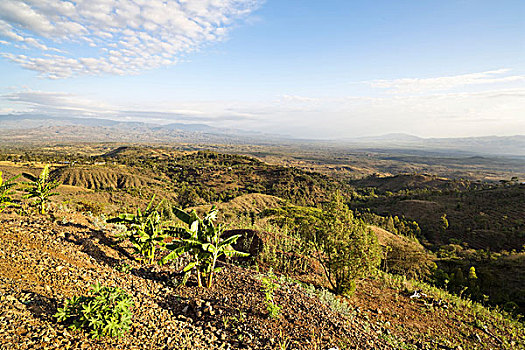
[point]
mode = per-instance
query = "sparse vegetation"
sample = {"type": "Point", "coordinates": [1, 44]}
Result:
{"type": "Point", "coordinates": [322, 251]}
{"type": "Point", "coordinates": [269, 285]}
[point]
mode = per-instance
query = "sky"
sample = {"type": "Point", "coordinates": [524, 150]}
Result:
{"type": "Point", "coordinates": [315, 69]}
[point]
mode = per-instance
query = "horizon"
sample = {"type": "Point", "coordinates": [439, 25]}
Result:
{"type": "Point", "coordinates": [147, 123]}
{"type": "Point", "coordinates": [311, 70]}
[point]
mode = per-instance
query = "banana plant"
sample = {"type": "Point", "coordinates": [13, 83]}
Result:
{"type": "Point", "coordinates": [41, 188]}
{"type": "Point", "coordinates": [203, 242]}
{"type": "Point", "coordinates": [6, 191]}
{"type": "Point", "coordinates": [145, 230]}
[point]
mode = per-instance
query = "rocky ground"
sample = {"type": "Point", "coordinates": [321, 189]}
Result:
{"type": "Point", "coordinates": [47, 259]}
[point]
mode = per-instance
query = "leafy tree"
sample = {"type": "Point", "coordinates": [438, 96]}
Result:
{"type": "Point", "coordinates": [146, 230]}
{"type": "Point", "coordinates": [347, 248]}
{"type": "Point", "coordinates": [203, 242]}
{"type": "Point", "coordinates": [41, 188]}
{"type": "Point", "coordinates": [6, 191]}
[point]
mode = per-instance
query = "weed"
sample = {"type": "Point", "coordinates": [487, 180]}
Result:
{"type": "Point", "coordinates": [105, 312]}
{"type": "Point", "coordinates": [123, 267]}
{"type": "Point", "coordinates": [269, 286]}
{"type": "Point", "coordinates": [283, 342]}
{"type": "Point", "coordinates": [329, 299]}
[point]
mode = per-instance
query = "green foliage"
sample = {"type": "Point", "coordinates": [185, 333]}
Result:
{"type": "Point", "coordinates": [329, 299]}
{"type": "Point", "coordinates": [395, 224]}
{"type": "Point", "coordinates": [41, 188]}
{"type": "Point", "coordinates": [145, 230]}
{"type": "Point", "coordinates": [269, 285]}
{"type": "Point", "coordinates": [444, 221]}
{"type": "Point", "coordinates": [203, 242]}
{"type": "Point", "coordinates": [104, 312]}
{"type": "Point", "coordinates": [6, 191]}
{"type": "Point", "coordinates": [346, 248]}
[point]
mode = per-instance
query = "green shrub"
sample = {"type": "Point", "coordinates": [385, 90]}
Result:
{"type": "Point", "coordinates": [269, 285]}
{"type": "Point", "coordinates": [104, 312]}
{"type": "Point", "coordinates": [346, 248]}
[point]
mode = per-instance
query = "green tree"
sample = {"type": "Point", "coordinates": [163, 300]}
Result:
{"type": "Point", "coordinates": [346, 247]}
{"type": "Point", "coordinates": [472, 273]}
{"type": "Point", "coordinates": [41, 188]}
{"type": "Point", "coordinates": [444, 221]}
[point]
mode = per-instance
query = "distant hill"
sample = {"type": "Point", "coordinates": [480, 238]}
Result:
{"type": "Point", "coordinates": [33, 128]}
{"type": "Point", "coordinates": [408, 182]}
{"type": "Point", "coordinates": [30, 128]}
{"type": "Point", "coordinates": [493, 145]}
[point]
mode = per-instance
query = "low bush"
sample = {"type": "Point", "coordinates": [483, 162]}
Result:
{"type": "Point", "coordinates": [104, 312]}
{"type": "Point", "coordinates": [269, 285]}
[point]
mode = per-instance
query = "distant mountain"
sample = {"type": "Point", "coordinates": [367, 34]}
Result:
{"type": "Point", "coordinates": [394, 137]}
{"type": "Point", "coordinates": [491, 145]}
{"type": "Point", "coordinates": [28, 121]}
{"type": "Point", "coordinates": [31, 128]}
{"type": "Point", "coordinates": [42, 128]}
{"type": "Point", "coordinates": [189, 127]}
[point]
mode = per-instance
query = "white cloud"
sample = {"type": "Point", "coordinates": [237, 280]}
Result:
{"type": "Point", "coordinates": [421, 85]}
{"type": "Point", "coordinates": [144, 34]}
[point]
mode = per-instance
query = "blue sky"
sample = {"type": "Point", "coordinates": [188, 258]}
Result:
{"type": "Point", "coordinates": [306, 68]}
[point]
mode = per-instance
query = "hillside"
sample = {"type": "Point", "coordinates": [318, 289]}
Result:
{"type": "Point", "coordinates": [484, 223]}
{"type": "Point", "coordinates": [44, 262]}
{"type": "Point", "coordinates": [479, 225]}
{"type": "Point", "coordinates": [411, 182]}
{"type": "Point", "coordinates": [206, 176]}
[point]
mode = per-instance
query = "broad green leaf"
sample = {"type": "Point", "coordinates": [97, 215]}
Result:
{"type": "Point", "coordinates": [190, 266]}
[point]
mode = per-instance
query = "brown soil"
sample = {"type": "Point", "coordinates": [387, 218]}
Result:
{"type": "Point", "coordinates": [43, 262]}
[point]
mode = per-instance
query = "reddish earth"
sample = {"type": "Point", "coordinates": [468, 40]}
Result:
{"type": "Point", "coordinates": [43, 262]}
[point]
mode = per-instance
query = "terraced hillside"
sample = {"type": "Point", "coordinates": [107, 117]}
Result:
{"type": "Point", "coordinates": [209, 176]}
{"type": "Point", "coordinates": [99, 178]}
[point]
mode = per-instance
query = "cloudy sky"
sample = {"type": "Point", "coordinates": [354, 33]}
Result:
{"type": "Point", "coordinates": [308, 68]}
